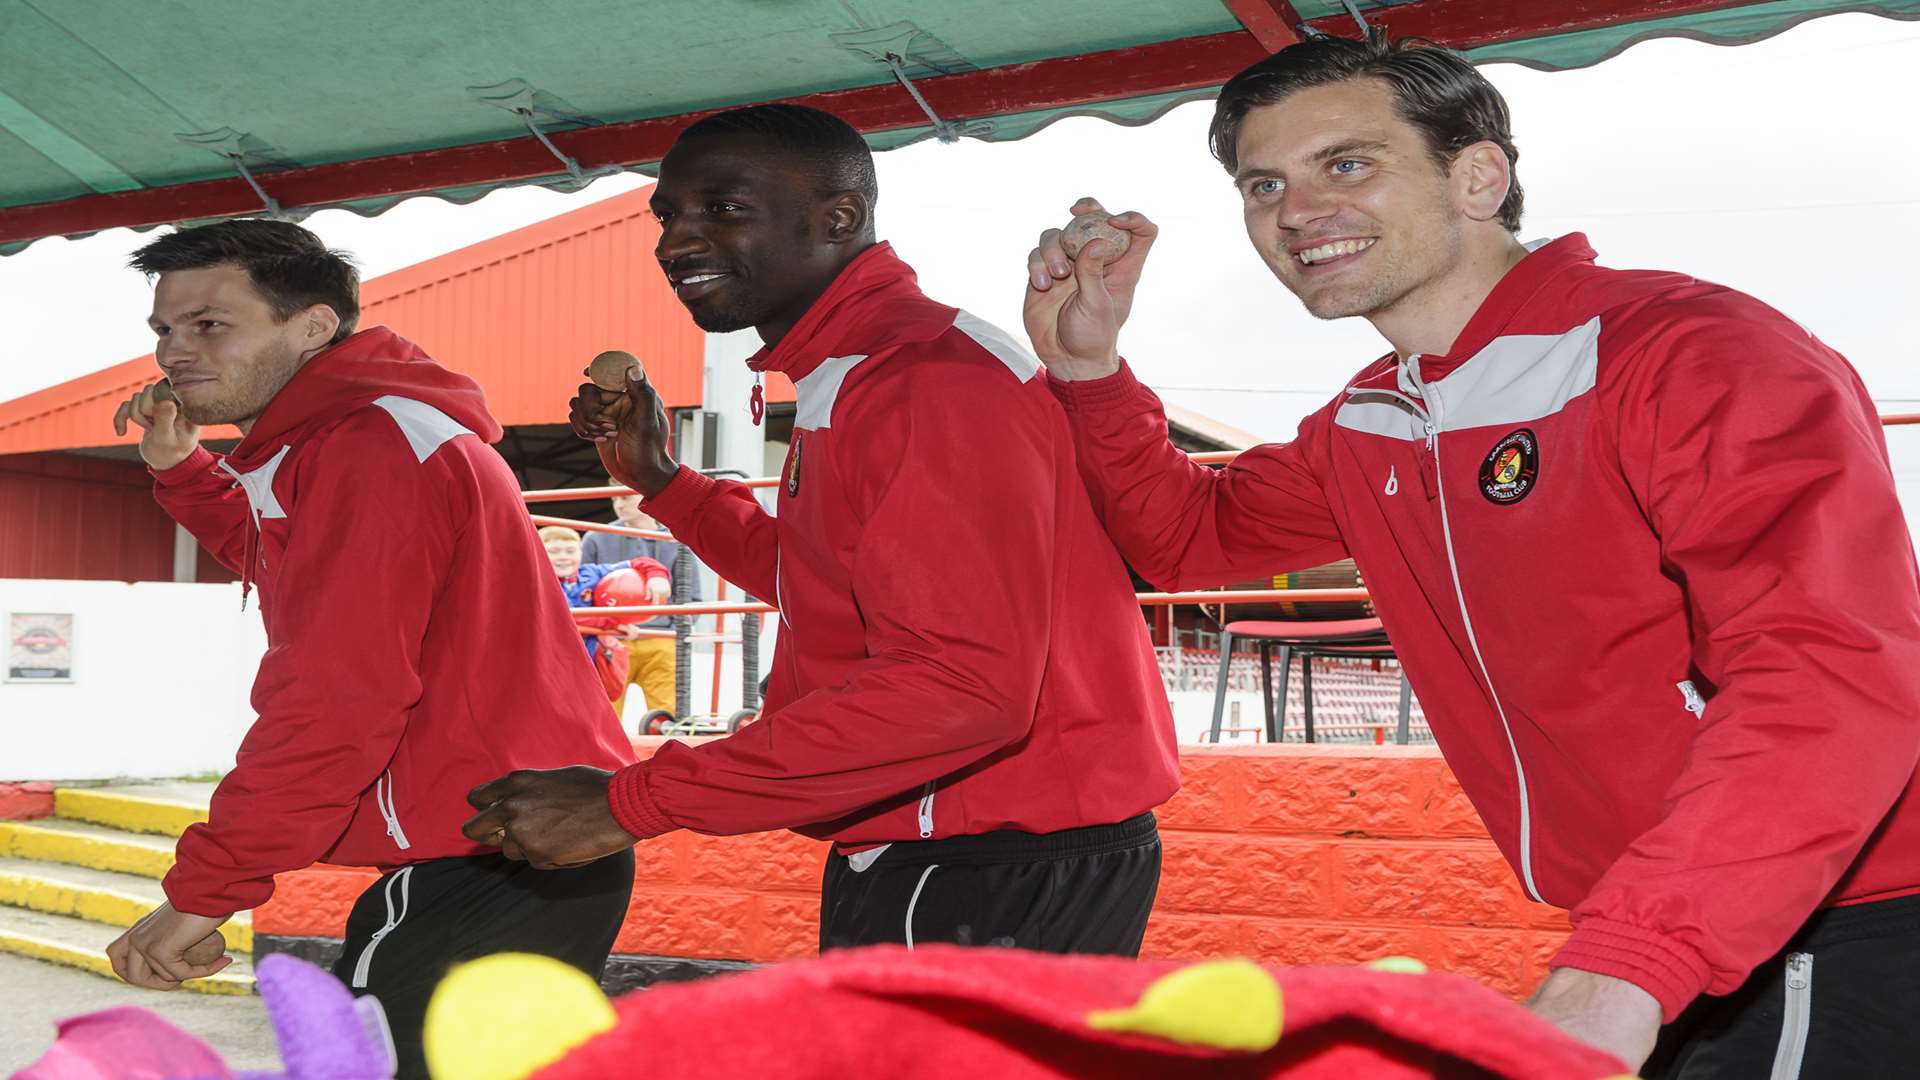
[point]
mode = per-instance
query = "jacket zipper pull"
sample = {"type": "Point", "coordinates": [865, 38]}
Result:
{"type": "Point", "coordinates": [1696, 704]}
{"type": "Point", "coordinates": [246, 573]}
{"type": "Point", "coordinates": [1798, 967]}
{"type": "Point", "coordinates": [926, 812]}
{"type": "Point", "coordinates": [756, 401]}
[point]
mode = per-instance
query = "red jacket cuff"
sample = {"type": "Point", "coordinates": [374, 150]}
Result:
{"type": "Point", "coordinates": [194, 467]}
{"type": "Point", "coordinates": [632, 804]}
{"type": "Point", "coordinates": [679, 497]}
{"type": "Point", "coordinates": [1095, 393]}
{"type": "Point", "coordinates": [210, 900]}
{"type": "Point", "coordinates": [1673, 973]}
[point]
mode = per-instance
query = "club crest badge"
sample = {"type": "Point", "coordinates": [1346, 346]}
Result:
{"type": "Point", "coordinates": [793, 468]}
{"type": "Point", "coordinates": [1511, 468]}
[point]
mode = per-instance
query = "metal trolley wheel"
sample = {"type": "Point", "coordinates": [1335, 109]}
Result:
{"type": "Point", "coordinates": [655, 722]}
{"type": "Point", "coordinates": [741, 718]}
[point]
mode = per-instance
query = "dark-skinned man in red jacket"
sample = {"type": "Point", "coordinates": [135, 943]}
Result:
{"type": "Point", "coordinates": [985, 759]}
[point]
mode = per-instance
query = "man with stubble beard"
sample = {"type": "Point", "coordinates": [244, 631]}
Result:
{"type": "Point", "coordinates": [390, 548]}
{"type": "Point", "coordinates": [1633, 534]}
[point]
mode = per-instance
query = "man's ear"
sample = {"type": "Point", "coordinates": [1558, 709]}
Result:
{"type": "Point", "coordinates": [1481, 177]}
{"type": "Point", "coordinates": [317, 325]}
{"type": "Point", "coordinates": [849, 217]}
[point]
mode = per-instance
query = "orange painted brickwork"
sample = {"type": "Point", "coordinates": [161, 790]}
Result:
{"type": "Point", "coordinates": [1287, 854]}
{"type": "Point", "coordinates": [1337, 855]}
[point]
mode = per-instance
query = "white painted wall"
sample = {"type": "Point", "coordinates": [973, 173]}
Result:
{"type": "Point", "coordinates": [161, 677]}
{"type": "Point", "coordinates": [160, 682]}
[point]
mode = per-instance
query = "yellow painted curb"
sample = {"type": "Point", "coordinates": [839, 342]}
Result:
{"type": "Point", "coordinates": [22, 841]}
{"type": "Point", "coordinates": [99, 905]}
{"type": "Point", "coordinates": [55, 952]}
{"type": "Point", "coordinates": [133, 813]}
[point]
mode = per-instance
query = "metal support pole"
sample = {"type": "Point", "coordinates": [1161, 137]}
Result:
{"type": "Point", "coordinates": [750, 661]}
{"type": "Point", "coordinates": [1306, 689]}
{"type": "Point", "coordinates": [1404, 734]}
{"type": "Point", "coordinates": [1220, 685]}
{"type": "Point", "coordinates": [682, 627]}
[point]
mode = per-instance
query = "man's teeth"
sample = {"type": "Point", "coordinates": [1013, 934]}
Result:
{"type": "Point", "coordinates": [1337, 248]}
{"type": "Point", "coordinates": [696, 279]}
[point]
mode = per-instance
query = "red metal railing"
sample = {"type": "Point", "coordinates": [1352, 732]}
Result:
{"type": "Point", "coordinates": [1211, 457]}
{"type": "Point", "coordinates": [719, 608]}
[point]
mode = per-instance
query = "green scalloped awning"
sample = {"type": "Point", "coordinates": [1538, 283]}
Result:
{"type": "Point", "coordinates": [362, 103]}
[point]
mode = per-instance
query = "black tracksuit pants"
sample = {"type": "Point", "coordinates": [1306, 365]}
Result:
{"type": "Point", "coordinates": [414, 924]}
{"type": "Point", "coordinates": [1841, 1001]}
{"type": "Point", "coordinates": [1085, 890]}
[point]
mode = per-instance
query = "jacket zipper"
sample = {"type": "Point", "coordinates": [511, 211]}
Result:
{"type": "Point", "coordinates": [926, 811]}
{"type": "Point", "coordinates": [402, 877]}
{"type": "Point", "coordinates": [1433, 415]}
{"type": "Point", "coordinates": [1796, 1019]}
{"type": "Point", "coordinates": [779, 600]}
{"type": "Point", "coordinates": [383, 798]}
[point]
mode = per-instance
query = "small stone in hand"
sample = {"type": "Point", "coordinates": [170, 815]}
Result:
{"type": "Point", "coordinates": [609, 370]}
{"type": "Point", "coordinates": [1086, 228]}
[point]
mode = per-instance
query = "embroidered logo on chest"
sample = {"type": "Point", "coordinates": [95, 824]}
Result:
{"type": "Point", "coordinates": [1511, 468]}
{"type": "Point", "coordinates": [793, 468]}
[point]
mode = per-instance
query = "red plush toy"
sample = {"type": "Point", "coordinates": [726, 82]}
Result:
{"type": "Point", "coordinates": [943, 1011]}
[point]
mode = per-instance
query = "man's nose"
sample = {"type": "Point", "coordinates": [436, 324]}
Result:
{"type": "Point", "coordinates": [170, 354]}
{"type": "Point", "coordinates": [1303, 204]}
{"type": "Point", "coordinates": [679, 237]}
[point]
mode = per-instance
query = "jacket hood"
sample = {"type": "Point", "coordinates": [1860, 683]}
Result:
{"type": "Point", "coordinates": [371, 364]}
{"type": "Point", "coordinates": [834, 325]}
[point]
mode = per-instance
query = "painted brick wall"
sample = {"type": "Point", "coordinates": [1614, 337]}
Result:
{"type": "Point", "coordinates": [1287, 854]}
{"type": "Point", "coordinates": [24, 800]}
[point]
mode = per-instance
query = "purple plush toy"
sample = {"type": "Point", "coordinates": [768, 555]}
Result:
{"type": "Point", "coordinates": [325, 1033]}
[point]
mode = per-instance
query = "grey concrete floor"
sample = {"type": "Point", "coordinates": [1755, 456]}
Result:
{"type": "Point", "coordinates": [33, 995]}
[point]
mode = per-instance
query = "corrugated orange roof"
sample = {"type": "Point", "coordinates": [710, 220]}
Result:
{"type": "Point", "coordinates": [522, 313]}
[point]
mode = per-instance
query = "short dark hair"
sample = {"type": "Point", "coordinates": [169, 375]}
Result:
{"type": "Point", "coordinates": [1435, 89]}
{"type": "Point", "coordinates": [833, 151]}
{"type": "Point", "coordinates": [290, 266]}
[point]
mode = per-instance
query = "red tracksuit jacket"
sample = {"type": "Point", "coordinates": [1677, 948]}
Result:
{"type": "Point", "coordinates": [1636, 541]}
{"type": "Point", "coordinates": [416, 645]}
{"type": "Point", "coordinates": [960, 649]}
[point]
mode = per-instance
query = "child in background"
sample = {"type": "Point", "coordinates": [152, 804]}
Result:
{"type": "Point", "coordinates": [584, 586]}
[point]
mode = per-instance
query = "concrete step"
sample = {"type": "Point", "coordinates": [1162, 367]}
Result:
{"type": "Point", "coordinates": [101, 896]}
{"type": "Point", "coordinates": [77, 843]}
{"type": "Point", "coordinates": [150, 809]}
{"type": "Point", "coordinates": [77, 943]}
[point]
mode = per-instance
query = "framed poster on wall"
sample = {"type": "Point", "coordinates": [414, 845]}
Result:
{"type": "Point", "coordinates": [39, 647]}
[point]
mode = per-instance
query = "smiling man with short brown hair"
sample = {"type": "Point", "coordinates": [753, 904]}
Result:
{"type": "Point", "coordinates": [1634, 536]}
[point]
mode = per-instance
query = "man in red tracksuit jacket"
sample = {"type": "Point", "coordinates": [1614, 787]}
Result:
{"type": "Point", "coordinates": [390, 548]}
{"type": "Point", "coordinates": [985, 753]}
{"type": "Point", "coordinates": [1634, 536]}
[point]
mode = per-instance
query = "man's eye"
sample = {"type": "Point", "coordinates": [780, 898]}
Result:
{"type": "Point", "coordinates": [661, 216]}
{"type": "Point", "coordinates": [209, 324]}
{"type": "Point", "coordinates": [723, 208]}
{"type": "Point", "coordinates": [1347, 167]}
{"type": "Point", "coordinates": [1268, 187]}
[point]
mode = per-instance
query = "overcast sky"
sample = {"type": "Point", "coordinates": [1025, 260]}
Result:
{"type": "Point", "coordinates": [1788, 169]}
